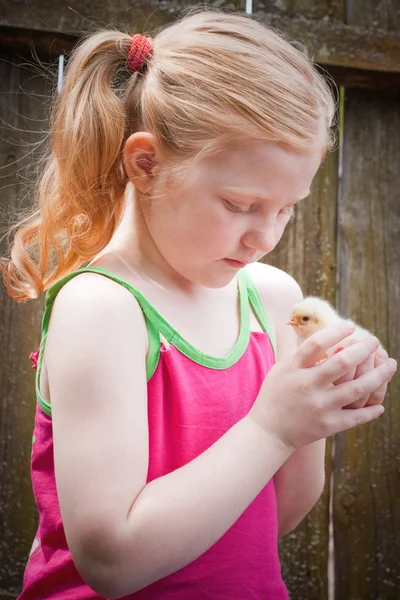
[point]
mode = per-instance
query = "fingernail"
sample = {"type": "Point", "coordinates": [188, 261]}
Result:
{"type": "Point", "coordinates": [382, 354]}
{"type": "Point", "coordinates": [393, 365]}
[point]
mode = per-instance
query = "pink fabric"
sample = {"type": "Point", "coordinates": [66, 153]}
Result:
{"type": "Point", "coordinates": [190, 407]}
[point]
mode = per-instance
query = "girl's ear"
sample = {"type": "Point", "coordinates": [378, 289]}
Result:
{"type": "Point", "coordinates": [141, 156]}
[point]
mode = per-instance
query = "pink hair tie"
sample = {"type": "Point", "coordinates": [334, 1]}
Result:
{"type": "Point", "coordinates": [140, 50]}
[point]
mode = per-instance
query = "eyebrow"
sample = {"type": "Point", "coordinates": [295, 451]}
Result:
{"type": "Point", "coordinates": [256, 196]}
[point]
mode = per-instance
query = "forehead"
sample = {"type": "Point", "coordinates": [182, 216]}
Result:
{"type": "Point", "coordinates": [263, 168]}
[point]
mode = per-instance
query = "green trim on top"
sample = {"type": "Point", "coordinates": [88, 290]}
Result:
{"type": "Point", "coordinates": [44, 405]}
{"type": "Point", "coordinates": [156, 325]}
{"type": "Point", "coordinates": [258, 307]}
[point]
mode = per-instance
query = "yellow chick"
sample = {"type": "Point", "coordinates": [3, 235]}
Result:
{"type": "Point", "coordinates": [311, 314]}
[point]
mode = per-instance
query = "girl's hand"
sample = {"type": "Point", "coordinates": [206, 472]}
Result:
{"type": "Point", "coordinates": [302, 400]}
{"type": "Point", "coordinates": [373, 361]}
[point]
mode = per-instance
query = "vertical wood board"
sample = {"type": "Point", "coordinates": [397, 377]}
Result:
{"type": "Point", "coordinates": [21, 115]}
{"type": "Point", "coordinates": [367, 461]}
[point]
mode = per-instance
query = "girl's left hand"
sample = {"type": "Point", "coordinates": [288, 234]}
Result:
{"type": "Point", "coordinates": [372, 362]}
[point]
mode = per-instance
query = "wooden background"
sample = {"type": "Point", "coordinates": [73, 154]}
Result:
{"type": "Point", "coordinates": [343, 245]}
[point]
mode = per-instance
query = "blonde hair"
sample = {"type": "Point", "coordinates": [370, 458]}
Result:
{"type": "Point", "coordinates": [213, 78]}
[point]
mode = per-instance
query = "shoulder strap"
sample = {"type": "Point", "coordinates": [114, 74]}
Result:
{"type": "Point", "coordinates": [256, 303]}
{"type": "Point", "coordinates": [148, 310]}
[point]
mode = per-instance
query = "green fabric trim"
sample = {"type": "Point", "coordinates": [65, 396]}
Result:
{"type": "Point", "coordinates": [153, 355]}
{"type": "Point", "coordinates": [258, 306]}
{"type": "Point", "coordinates": [154, 338]}
{"type": "Point", "coordinates": [156, 325]}
{"type": "Point", "coordinates": [44, 405]}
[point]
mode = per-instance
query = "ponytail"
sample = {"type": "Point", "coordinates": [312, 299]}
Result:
{"type": "Point", "coordinates": [80, 196]}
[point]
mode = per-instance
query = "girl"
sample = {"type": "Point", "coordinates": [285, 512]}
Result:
{"type": "Point", "coordinates": [169, 450]}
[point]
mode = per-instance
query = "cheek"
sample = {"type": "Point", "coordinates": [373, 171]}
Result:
{"type": "Point", "coordinates": [193, 230]}
{"type": "Point", "coordinates": [211, 223]}
{"type": "Point", "coordinates": [210, 232]}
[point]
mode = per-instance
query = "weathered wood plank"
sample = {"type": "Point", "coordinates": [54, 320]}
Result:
{"type": "Point", "coordinates": [366, 80]}
{"type": "Point", "coordinates": [332, 42]}
{"type": "Point", "coordinates": [78, 15]}
{"type": "Point", "coordinates": [366, 465]}
{"type": "Point", "coordinates": [310, 9]}
{"type": "Point", "coordinates": [48, 46]}
{"type": "Point", "coordinates": [329, 40]}
{"type": "Point", "coordinates": [374, 14]}
{"type": "Point", "coordinates": [307, 251]}
{"type": "Point", "coordinates": [21, 109]}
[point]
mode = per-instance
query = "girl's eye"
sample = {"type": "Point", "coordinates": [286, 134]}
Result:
{"type": "Point", "coordinates": [288, 210]}
{"type": "Point", "coordinates": [237, 209]}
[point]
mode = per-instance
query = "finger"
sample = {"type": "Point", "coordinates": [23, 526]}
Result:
{"type": "Point", "coordinates": [316, 346]}
{"type": "Point", "coordinates": [349, 341]}
{"type": "Point", "coordinates": [367, 365]}
{"type": "Point", "coordinates": [339, 364]}
{"type": "Point", "coordinates": [378, 395]}
{"type": "Point", "coordinates": [382, 355]}
{"type": "Point", "coordinates": [347, 419]}
{"type": "Point", "coordinates": [345, 394]}
{"type": "Point", "coordinates": [349, 376]}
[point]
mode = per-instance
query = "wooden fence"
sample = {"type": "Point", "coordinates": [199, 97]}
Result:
{"type": "Point", "coordinates": [343, 245]}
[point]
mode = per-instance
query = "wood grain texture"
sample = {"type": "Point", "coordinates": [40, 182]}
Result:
{"type": "Point", "coordinates": [374, 14]}
{"type": "Point", "coordinates": [78, 15]}
{"type": "Point", "coordinates": [310, 9]}
{"type": "Point", "coordinates": [367, 461]}
{"type": "Point", "coordinates": [21, 114]}
{"type": "Point", "coordinates": [307, 252]}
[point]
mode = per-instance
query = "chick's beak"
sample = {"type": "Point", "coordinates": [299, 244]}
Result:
{"type": "Point", "coordinates": [294, 323]}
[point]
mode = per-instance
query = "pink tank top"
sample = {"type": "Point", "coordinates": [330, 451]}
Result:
{"type": "Point", "coordinates": [193, 399]}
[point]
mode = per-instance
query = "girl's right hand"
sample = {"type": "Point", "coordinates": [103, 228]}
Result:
{"type": "Point", "coordinates": [298, 400]}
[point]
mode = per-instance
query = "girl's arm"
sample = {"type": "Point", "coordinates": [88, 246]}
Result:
{"type": "Point", "coordinates": [123, 534]}
{"type": "Point", "coordinates": [299, 483]}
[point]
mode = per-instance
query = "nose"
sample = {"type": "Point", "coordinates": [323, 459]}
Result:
{"type": "Point", "coordinates": [263, 240]}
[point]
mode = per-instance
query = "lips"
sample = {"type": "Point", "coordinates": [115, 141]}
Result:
{"type": "Point", "coordinates": [242, 262]}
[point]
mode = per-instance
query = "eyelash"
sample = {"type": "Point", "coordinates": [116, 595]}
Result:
{"type": "Point", "coordinates": [238, 209]}
{"type": "Point", "coordinates": [288, 210]}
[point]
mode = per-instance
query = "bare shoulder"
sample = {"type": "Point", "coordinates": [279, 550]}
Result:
{"type": "Point", "coordinates": [275, 285]}
{"type": "Point", "coordinates": [96, 309]}
{"type": "Point", "coordinates": [91, 286]}
{"type": "Point", "coordinates": [278, 291]}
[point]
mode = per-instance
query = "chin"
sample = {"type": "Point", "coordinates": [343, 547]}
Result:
{"type": "Point", "coordinates": [215, 280]}
{"type": "Point", "coordinates": [218, 284]}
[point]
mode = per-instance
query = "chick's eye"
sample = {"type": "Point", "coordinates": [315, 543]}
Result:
{"type": "Point", "coordinates": [306, 318]}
